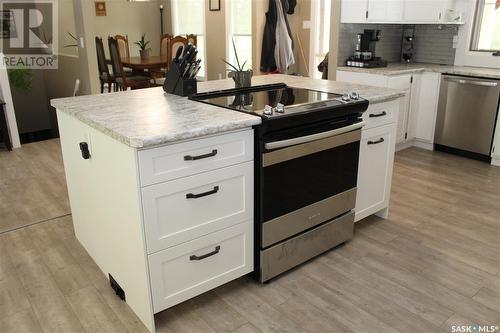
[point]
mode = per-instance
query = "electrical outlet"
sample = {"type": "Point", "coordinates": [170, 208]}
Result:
{"type": "Point", "coordinates": [306, 24]}
{"type": "Point", "coordinates": [455, 41]}
{"type": "Point", "coordinates": [82, 42]}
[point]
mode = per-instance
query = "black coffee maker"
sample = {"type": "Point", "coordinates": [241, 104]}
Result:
{"type": "Point", "coordinates": [364, 54]}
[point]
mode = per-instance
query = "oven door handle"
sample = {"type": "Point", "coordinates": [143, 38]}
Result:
{"type": "Point", "coordinates": [313, 137]}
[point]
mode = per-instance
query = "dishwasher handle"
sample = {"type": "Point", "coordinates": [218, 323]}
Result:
{"type": "Point", "coordinates": [472, 82]}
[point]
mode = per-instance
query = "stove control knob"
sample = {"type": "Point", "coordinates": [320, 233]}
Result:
{"type": "Point", "coordinates": [268, 110]}
{"type": "Point", "coordinates": [280, 108]}
{"type": "Point", "coordinates": [354, 96]}
{"type": "Point", "coordinates": [345, 97]}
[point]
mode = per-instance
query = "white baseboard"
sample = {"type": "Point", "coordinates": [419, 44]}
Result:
{"type": "Point", "coordinates": [405, 145]}
{"type": "Point", "coordinates": [495, 161]}
{"type": "Point", "coordinates": [423, 145]}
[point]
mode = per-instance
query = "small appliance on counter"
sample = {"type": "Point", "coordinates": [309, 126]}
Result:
{"type": "Point", "coordinates": [306, 169]}
{"type": "Point", "coordinates": [407, 43]}
{"type": "Point", "coordinates": [364, 52]}
{"type": "Point", "coordinates": [181, 77]}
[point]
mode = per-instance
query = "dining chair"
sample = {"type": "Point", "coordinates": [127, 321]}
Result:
{"type": "Point", "coordinates": [123, 45]}
{"type": "Point", "coordinates": [164, 45]}
{"type": "Point", "coordinates": [123, 81]}
{"type": "Point", "coordinates": [104, 75]}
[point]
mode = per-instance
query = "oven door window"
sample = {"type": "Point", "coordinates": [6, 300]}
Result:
{"type": "Point", "coordinates": [294, 183]}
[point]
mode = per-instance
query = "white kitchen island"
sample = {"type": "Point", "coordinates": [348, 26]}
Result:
{"type": "Point", "coordinates": [141, 195]}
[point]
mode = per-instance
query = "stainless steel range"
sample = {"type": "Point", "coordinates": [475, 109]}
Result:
{"type": "Point", "coordinates": [306, 165]}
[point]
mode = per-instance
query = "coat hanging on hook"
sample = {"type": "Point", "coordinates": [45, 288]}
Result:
{"type": "Point", "coordinates": [277, 41]}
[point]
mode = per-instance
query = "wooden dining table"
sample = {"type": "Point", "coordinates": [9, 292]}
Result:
{"type": "Point", "coordinates": [152, 63]}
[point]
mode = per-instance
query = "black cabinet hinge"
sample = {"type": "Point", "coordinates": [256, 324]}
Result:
{"type": "Point", "coordinates": [411, 79]}
{"type": "Point", "coordinates": [406, 135]}
{"type": "Point", "coordinates": [366, 14]}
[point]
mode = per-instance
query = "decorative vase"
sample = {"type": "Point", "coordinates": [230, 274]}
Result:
{"type": "Point", "coordinates": [241, 78]}
{"type": "Point", "coordinates": [144, 54]}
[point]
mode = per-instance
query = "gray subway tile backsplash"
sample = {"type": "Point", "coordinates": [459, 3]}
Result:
{"type": "Point", "coordinates": [433, 43]}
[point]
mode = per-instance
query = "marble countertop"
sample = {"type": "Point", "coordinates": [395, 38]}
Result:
{"type": "Point", "coordinates": [402, 68]}
{"type": "Point", "coordinates": [148, 117]}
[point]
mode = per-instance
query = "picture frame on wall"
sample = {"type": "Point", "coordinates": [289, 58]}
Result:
{"type": "Point", "coordinates": [100, 8]}
{"type": "Point", "coordinates": [214, 5]}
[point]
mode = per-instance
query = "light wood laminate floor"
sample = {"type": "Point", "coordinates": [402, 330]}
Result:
{"type": "Point", "coordinates": [32, 185]}
{"type": "Point", "coordinates": [433, 264]}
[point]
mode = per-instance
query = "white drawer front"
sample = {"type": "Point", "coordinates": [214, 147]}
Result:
{"type": "Point", "coordinates": [183, 159]}
{"type": "Point", "coordinates": [183, 209]}
{"type": "Point", "coordinates": [177, 276]}
{"type": "Point", "coordinates": [380, 114]}
{"type": "Point", "coordinates": [376, 157]}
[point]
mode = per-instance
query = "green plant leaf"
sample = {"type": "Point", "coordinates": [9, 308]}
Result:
{"type": "Point", "coordinates": [236, 54]}
{"type": "Point", "coordinates": [232, 66]}
{"type": "Point", "coordinates": [243, 66]}
{"type": "Point", "coordinates": [21, 78]}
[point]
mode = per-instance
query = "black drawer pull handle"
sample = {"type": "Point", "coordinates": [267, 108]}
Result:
{"type": "Point", "coordinates": [199, 157]}
{"type": "Point", "coordinates": [195, 257]}
{"type": "Point", "coordinates": [199, 195]}
{"type": "Point", "coordinates": [375, 115]}
{"type": "Point", "coordinates": [84, 148]}
{"type": "Point", "coordinates": [376, 142]}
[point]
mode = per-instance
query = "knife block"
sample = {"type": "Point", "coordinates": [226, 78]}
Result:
{"type": "Point", "coordinates": [178, 85]}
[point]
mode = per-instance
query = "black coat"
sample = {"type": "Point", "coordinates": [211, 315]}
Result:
{"type": "Point", "coordinates": [267, 61]}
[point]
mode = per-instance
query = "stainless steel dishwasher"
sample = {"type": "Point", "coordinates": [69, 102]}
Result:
{"type": "Point", "coordinates": [466, 116]}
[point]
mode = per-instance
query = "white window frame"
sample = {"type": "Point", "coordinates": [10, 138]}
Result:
{"type": "Point", "coordinates": [478, 18]}
{"type": "Point", "coordinates": [464, 56]}
{"type": "Point", "coordinates": [229, 34]}
{"type": "Point", "coordinates": [313, 38]}
{"type": "Point", "coordinates": [175, 30]}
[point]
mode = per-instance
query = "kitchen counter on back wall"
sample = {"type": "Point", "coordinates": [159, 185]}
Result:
{"type": "Point", "coordinates": [148, 117]}
{"type": "Point", "coordinates": [402, 68]}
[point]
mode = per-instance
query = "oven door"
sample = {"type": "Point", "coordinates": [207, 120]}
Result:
{"type": "Point", "coordinates": [307, 180]}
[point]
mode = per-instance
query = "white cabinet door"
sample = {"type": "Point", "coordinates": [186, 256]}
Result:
{"type": "Point", "coordinates": [385, 10]}
{"type": "Point", "coordinates": [411, 127]}
{"type": "Point", "coordinates": [424, 10]}
{"type": "Point", "coordinates": [428, 97]}
{"type": "Point", "coordinates": [402, 82]}
{"type": "Point", "coordinates": [353, 11]}
{"type": "Point", "coordinates": [495, 153]}
{"type": "Point", "coordinates": [376, 157]}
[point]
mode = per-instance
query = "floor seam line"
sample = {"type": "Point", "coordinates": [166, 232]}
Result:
{"type": "Point", "coordinates": [34, 223]}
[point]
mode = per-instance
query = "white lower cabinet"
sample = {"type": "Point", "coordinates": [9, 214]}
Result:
{"type": "Point", "coordinates": [376, 158]}
{"type": "Point", "coordinates": [189, 269]}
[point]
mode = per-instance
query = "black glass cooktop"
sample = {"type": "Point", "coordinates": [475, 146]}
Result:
{"type": "Point", "coordinates": [254, 100]}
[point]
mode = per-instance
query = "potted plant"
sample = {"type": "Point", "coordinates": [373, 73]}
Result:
{"type": "Point", "coordinates": [143, 47]}
{"type": "Point", "coordinates": [241, 77]}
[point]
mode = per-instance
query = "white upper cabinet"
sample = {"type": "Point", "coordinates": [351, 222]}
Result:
{"type": "Point", "coordinates": [424, 10]}
{"type": "Point", "coordinates": [384, 11]}
{"type": "Point", "coordinates": [397, 11]}
{"type": "Point", "coordinates": [353, 11]}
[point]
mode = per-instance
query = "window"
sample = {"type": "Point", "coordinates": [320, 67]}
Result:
{"type": "Point", "coordinates": [486, 35]}
{"type": "Point", "coordinates": [188, 17]}
{"type": "Point", "coordinates": [239, 29]}
{"type": "Point", "coordinates": [320, 34]}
